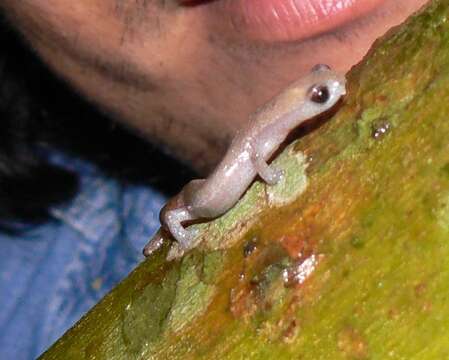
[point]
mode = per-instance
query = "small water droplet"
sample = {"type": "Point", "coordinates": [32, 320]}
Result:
{"type": "Point", "coordinates": [380, 129]}
{"type": "Point", "coordinates": [299, 271]}
{"type": "Point", "coordinates": [250, 247]}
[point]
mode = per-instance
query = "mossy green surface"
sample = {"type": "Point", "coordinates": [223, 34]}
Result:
{"type": "Point", "coordinates": [355, 268]}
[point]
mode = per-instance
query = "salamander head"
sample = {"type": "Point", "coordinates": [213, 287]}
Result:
{"type": "Point", "coordinates": [325, 88]}
{"type": "Point", "coordinates": [304, 99]}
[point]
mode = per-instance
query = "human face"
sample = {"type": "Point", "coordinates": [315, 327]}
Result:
{"type": "Point", "coordinates": [187, 73]}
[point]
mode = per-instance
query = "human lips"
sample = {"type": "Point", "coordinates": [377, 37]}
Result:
{"type": "Point", "coordinates": [287, 20]}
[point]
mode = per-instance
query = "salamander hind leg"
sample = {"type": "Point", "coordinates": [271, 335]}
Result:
{"type": "Point", "coordinates": [173, 220]}
{"type": "Point", "coordinates": [181, 209]}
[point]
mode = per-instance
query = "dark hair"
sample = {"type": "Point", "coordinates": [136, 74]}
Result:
{"type": "Point", "coordinates": [39, 112]}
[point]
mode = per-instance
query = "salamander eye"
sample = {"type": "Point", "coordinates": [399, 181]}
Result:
{"type": "Point", "coordinates": [319, 94]}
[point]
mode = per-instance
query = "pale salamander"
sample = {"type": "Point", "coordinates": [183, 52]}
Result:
{"type": "Point", "coordinates": [248, 154]}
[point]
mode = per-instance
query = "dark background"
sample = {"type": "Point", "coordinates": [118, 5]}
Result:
{"type": "Point", "coordinates": [39, 113]}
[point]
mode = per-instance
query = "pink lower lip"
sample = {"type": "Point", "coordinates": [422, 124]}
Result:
{"type": "Point", "coordinates": [288, 20]}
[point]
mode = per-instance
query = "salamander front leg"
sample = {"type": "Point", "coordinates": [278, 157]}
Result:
{"type": "Point", "coordinates": [268, 173]}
